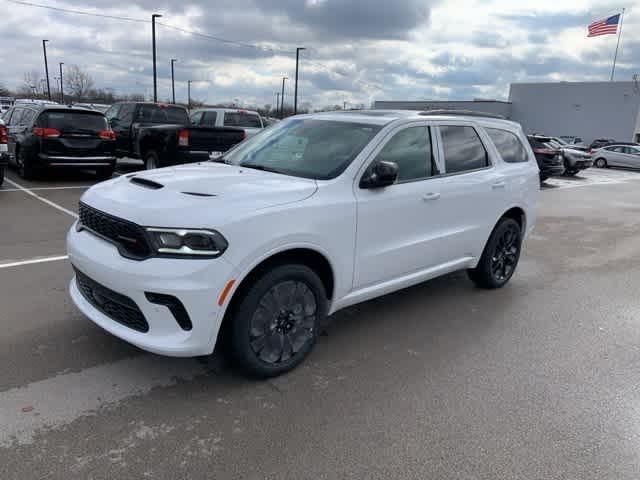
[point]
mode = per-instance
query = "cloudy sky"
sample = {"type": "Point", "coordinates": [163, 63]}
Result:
{"type": "Point", "coordinates": [357, 50]}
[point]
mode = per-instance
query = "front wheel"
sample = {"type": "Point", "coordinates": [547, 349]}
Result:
{"type": "Point", "coordinates": [600, 163]}
{"type": "Point", "coordinates": [275, 324]}
{"type": "Point", "coordinates": [500, 256]}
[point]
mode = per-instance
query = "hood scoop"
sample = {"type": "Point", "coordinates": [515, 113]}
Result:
{"type": "Point", "coordinates": [199, 194]}
{"type": "Point", "coordinates": [143, 182]}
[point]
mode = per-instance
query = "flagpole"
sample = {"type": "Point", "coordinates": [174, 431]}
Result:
{"type": "Point", "coordinates": [615, 57]}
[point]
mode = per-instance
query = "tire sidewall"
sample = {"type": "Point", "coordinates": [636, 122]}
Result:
{"type": "Point", "coordinates": [600, 162]}
{"type": "Point", "coordinates": [151, 160]}
{"type": "Point", "coordinates": [242, 315]}
{"type": "Point", "coordinates": [483, 270]}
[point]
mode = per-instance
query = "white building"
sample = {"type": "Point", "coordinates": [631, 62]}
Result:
{"type": "Point", "coordinates": [588, 110]}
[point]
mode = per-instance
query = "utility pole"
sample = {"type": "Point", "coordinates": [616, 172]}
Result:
{"type": "Point", "coordinates": [46, 66]}
{"type": "Point", "coordinates": [189, 95]}
{"type": "Point", "coordinates": [277, 102]}
{"type": "Point", "coordinates": [282, 99]}
{"type": "Point", "coordinates": [344, 105]}
{"type": "Point", "coordinates": [295, 95]}
{"type": "Point", "coordinates": [153, 41]}
{"type": "Point", "coordinates": [61, 85]}
{"type": "Point", "coordinates": [173, 83]}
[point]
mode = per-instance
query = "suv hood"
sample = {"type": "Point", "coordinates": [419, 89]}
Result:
{"type": "Point", "coordinates": [195, 195]}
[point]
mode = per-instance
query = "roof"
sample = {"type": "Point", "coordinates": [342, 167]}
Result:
{"type": "Point", "coordinates": [384, 117]}
{"type": "Point", "coordinates": [224, 109]}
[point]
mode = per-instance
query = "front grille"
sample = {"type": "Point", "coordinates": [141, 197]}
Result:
{"type": "Point", "coordinates": [129, 237]}
{"type": "Point", "coordinates": [114, 305]}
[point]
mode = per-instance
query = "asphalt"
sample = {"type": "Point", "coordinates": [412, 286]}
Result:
{"type": "Point", "coordinates": [538, 380]}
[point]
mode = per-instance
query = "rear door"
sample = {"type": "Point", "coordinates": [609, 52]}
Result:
{"type": "Point", "coordinates": [473, 192]}
{"type": "Point", "coordinates": [632, 157]}
{"type": "Point", "coordinates": [616, 156]}
{"type": "Point", "coordinates": [121, 125]}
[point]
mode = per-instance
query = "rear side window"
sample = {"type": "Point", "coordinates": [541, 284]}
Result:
{"type": "Point", "coordinates": [411, 150]}
{"type": "Point", "coordinates": [463, 149]}
{"type": "Point", "coordinates": [70, 121]}
{"type": "Point", "coordinates": [241, 119]}
{"type": "Point", "coordinates": [508, 145]}
{"type": "Point", "coordinates": [196, 118]}
{"type": "Point", "coordinates": [209, 119]}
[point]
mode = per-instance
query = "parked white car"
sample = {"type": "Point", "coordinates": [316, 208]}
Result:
{"type": "Point", "coordinates": [317, 213]}
{"type": "Point", "coordinates": [617, 156]}
{"type": "Point", "coordinates": [251, 122]}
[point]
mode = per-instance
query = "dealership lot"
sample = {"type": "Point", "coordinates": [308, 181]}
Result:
{"type": "Point", "coordinates": [538, 380]}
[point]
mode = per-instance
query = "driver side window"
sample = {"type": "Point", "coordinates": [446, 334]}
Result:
{"type": "Point", "coordinates": [411, 149]}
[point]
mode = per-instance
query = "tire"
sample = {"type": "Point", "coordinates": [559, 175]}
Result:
{"type": "Point", "coordinates": [260, 338]}
{"type": "Point", "coordinates": [26, 170]}
{"type": "Point", "coordinates": [543, 177]}
{"type": "Point", "coordinates": [1, 176]}
{"type": "Point", "coordinates": [496, 266]}
{"type": "Point", "coordinates": [600, 163]}
{"type": "Point", "coordinates": [151, 160]}
{"type": "Point", "coordinates": [570, 173]}
{"type": "Point", "coordinates": [105, 173]}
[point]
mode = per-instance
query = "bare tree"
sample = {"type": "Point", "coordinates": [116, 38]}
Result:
{"type": "Point", "coordinates": [77, 82]}
{"type": "Point", "coordinates": [30, 83]}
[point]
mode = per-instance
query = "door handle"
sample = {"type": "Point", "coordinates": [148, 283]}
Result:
{"type": "Point", "coordinates": [430, 196]}
{"type": "Point", "coordinates": [500, 184]}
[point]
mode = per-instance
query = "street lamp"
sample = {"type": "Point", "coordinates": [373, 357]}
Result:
{"type": "Point", "coordinates": [61, 85]}
{"type": "Point", "coordinates": [46, 66]}
{"type": "Point", "coordinates": [189, 95]}
{"type": "Point", "coordinates": [173, 84]}
{"type": "Point", "coordinates": [282, 98]}
{"type": "Point", "coordinates": [153, 42]}
{"type": "Point", "coordinates": [295, 95]}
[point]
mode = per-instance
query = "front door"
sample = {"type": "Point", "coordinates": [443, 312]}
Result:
{"type": "Point", "coordinates": [396, 224]}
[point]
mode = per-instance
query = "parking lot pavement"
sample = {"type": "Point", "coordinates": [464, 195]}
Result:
{"type": "Point", "coordinates": [443, 380]}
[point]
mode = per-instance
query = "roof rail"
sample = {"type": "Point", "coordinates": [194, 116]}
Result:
{"type": "Point", "coordinates": [466, 113]}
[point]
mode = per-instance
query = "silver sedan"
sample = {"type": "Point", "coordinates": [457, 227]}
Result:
{"type": "Point", "coordinates": [617, 156]}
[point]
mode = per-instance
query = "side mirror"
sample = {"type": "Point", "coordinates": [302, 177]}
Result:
{"type": "Point", "coordinates": [380, 175]}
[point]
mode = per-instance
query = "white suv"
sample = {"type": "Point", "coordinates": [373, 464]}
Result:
{"type": "Point", "coordinates": [315, 214]}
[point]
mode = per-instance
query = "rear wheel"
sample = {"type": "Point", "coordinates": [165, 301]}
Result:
{"type": "Point", "coordinates": [105, 173]}
{"type": "Point", "coordinates": [1, 176]}
{"type": "Point", "coordinates": [26, 169]}
{"type": "Point", "coordinates": [600, 163]}
{"type": "Point", "coordinates": [275, 324]}
{"type": "Point", "coordinates": [500, 256]}
{"type": "Point", "coordinates": [151, 160]}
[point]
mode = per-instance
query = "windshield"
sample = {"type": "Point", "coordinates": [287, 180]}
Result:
{"type": "Point", "coordinates": [69, 121]}
{"type": "Point", "coordinates": [309, 148]}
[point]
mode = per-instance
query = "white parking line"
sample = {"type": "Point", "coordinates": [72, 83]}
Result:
{"type": "Point", "coordinates": [44, 200]}
{"type": "Point", "coordinates": [32, 261]}
{"type": "Point", "coordinates": [58, 401]}
{"type": "Point", "coordinates": [75, 187]}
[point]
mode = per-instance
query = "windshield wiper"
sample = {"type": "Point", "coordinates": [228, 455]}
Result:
{"type": "Point", "coordinates": [263, 168]}
{"type": "Point", "coordinates": [219, 159]}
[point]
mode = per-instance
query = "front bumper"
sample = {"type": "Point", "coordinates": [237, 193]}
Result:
{"type": "Point", "coordinates": [196, 283]}
{"type": "Point", "coordinates": [89, 161]}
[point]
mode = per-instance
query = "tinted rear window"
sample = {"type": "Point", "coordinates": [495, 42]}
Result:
{"type": "Point", "coordinates": [67, 121]}
{"type": "Point", "coordinates": [159, 114]}
{"type": "Point", "coordinates": [463, 149]}
{"type": "Point", "coordinates": [241, 119]}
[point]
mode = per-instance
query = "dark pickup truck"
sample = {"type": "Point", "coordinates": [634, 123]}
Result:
{"type": "Point", "coordinates": [162, 135]}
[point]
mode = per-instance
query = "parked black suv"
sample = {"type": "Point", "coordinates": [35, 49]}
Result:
{"type": "Point", "coordinates": [56, 136]}
{"type": "Point", "coordinates": [550, 161]}
{"type": "Point", "coordinates": [162, 135]}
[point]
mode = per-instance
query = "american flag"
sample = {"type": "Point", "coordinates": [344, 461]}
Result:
{"type": "Point", "coordinates": [608, 26]}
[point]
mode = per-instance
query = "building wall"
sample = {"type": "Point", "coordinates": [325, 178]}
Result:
{"type": "Point", "coordinates": [486, 106]}
{"type": "Point", "coordinates": [589, 110]}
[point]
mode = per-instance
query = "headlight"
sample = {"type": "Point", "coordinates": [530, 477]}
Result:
{"type": "Point", "coordinates": [184, 242]}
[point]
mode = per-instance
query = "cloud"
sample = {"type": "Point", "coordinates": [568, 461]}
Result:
{"type": "Point", "coordinates": [357, 50]}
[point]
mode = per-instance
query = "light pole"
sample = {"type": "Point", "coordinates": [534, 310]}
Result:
{"type": "Point", "coordinates": [153, 41]}
{"type": "Point", "coordinates": [61, 85]}
{"type": "Point", "coordinates": [173, 84]}
{"type": "Point", "coordinates": [295, 95]}
{"type": "Point", "coordinates": [282, 99]}
{"type": "Point", "coordinates": [277, 102]}
{"type": "Point", "coordinates": [46, 66]}
{"type": "Point", "coordinates": [189, 95]}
